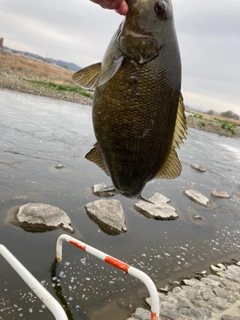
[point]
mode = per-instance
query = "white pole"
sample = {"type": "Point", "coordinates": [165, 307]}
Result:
{"type": "Point", "coordinates": [155, 309]}
{"type": "Point", "coordinates": [52, 304]}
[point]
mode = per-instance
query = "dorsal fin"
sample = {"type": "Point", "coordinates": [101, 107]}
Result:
{"type": "Point", "coordinates": [95, 156]}
{"type": "Point", "coordinates": [88, 77]}
{"type": "Point", "coordinates": [172, 168]}
{"type": "Point", "coordinates": [180, 130]}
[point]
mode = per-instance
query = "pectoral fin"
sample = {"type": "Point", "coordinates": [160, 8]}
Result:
{"type": "Point", "coordinates": [172, 168]}
{"type": "Point", "coordinates": [88, 77]}
{"type": "Point", "coordinates": [109, 69]}
{"type": "Point", "coordinates": [95, 156]}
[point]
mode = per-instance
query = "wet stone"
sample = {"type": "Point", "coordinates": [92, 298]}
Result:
{"type": "Point", "coordinates": [177, 290]}
{"type": "Point", "coordinates": [197, 196]}
{"type": "Point", "coordinates": [59, 166]}
{"type": "Point", "coordinates": [101, 190]}
{"type": "Point", "coordinates": [198, 167]}
{"type": "Point", "coordinates": [160, 209]}
{"type": "Point", "coordinates": [221, 293]}
{"type": "Point", "coordinates": [43, 215]}
{"type": "Point", "coordinates": [228, 317]}
{"type": "Point", "coordinates": [220, 194]}
{"type": "Point", "coordinates": [197, 217]}
{"type": "Point", "coordinates": [164, 289]}
{"type": "Point", "coordinates": [108, 214]}
{"type": "Point", "coordinates": [218, 268]}
{"type": "Point", "coordinates": [141, 314]}
{"type": "Point", "coordinates": [168, 310]}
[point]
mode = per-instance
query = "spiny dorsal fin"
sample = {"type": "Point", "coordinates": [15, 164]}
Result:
{"type": "Point", "coordinates": [171, 168]}
{"type": "Point", "coordinates": [95, 156]}
{"type": "Point", "coordinates": [87, 77]}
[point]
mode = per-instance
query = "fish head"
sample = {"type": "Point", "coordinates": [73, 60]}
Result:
{"type": "Point", "coordinates": [147, 27]}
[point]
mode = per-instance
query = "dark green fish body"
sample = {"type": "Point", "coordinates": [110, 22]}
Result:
{"type": "Point", "coordinates": [138, 113]}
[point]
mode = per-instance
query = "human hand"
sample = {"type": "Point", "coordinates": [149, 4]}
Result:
{"type": "Point", "coordinates": [120, 6]}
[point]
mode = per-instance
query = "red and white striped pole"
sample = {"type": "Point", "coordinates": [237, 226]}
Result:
{"type": "Point", "coordinates": [155, 310]}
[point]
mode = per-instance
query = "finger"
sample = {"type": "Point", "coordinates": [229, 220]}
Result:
{"type": "Point", "coordinates": [122, 9]}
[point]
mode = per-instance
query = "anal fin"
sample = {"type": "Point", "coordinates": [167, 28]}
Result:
{"type": "Point", "coordinates": [94, 155]}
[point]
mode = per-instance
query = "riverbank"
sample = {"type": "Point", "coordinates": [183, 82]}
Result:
{"type": "Point", "coordinates": [222, 126]}
{"type": "Point", "coordinates": [215, 297]}
{"type": "Point", "coordinates": [20, 73]}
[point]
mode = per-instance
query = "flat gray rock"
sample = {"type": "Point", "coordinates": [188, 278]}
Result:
{"type": "Point", "coordinates": [158, 210]}
{"type": "Point", "coordinates": [40, 214]}
{"type": "Point", "coordinates": [197, 217]}
{"type": "Point", "coordinates": [59, 166]}
{"type": "Point", "coordinates": [101, 190]}
{"type": "Point", "coordinates": [108, 214]}
{"type": "Point", "coordinates": [197, 196]}
{"type": "Point", "coordinates": [220, 194]}
{"type": "Point", "coordinates": [198, 167]}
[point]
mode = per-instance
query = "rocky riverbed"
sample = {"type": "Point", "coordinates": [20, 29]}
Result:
{"type": "Point", "coordinates": [215, 297]}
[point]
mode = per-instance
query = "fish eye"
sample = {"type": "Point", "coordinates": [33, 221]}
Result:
{"type": "Point", "coordinates": [159, 8]}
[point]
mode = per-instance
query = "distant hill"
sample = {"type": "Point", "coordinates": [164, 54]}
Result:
{"type": "Point", "coordinates": [63, 64]}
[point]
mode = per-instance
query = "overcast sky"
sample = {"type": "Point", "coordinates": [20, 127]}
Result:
{"type": "Point", "coordinates": [79, 31]}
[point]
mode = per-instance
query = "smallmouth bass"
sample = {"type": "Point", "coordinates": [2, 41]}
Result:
{"type": "Point", "coordinates": [138, 110]}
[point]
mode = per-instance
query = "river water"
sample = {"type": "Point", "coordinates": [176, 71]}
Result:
{"type": "Point", "coordinates": [37, 133]}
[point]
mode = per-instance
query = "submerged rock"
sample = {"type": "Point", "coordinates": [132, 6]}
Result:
{"type": "Point", "coordinates": [108, 214]}
{"type": "Point", "coordinates": [158, 210]}
{"type": "Point", "coordinates": [40, 215]}
{"type": "Point", "coordinates": [198, 167]}
{"type": "Point", "coordinates": [101, 190]}
{"type": "Point", "coordinates": [197, 217]}
{"type": "Point", "coordinates": [220, 194]}
{"type": "Point", "coordinates": [218, 268]}
{"type": "Point", "coordinates": [59, 166]}
{"type": "Point", "coordinates": [197, 196]}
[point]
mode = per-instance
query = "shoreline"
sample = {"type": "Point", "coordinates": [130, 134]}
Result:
{"type": "Point", "coordinates": [13, 82]}
{"type": "Point", "coordinates": [204, 124]}
{"type": "Point", "coordinates": [24, 74]}
{"type": "Point", "coordinates": [215, 296]}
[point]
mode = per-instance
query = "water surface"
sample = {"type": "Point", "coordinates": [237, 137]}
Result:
{"type": "Point", "coordinates": [38, 133]}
